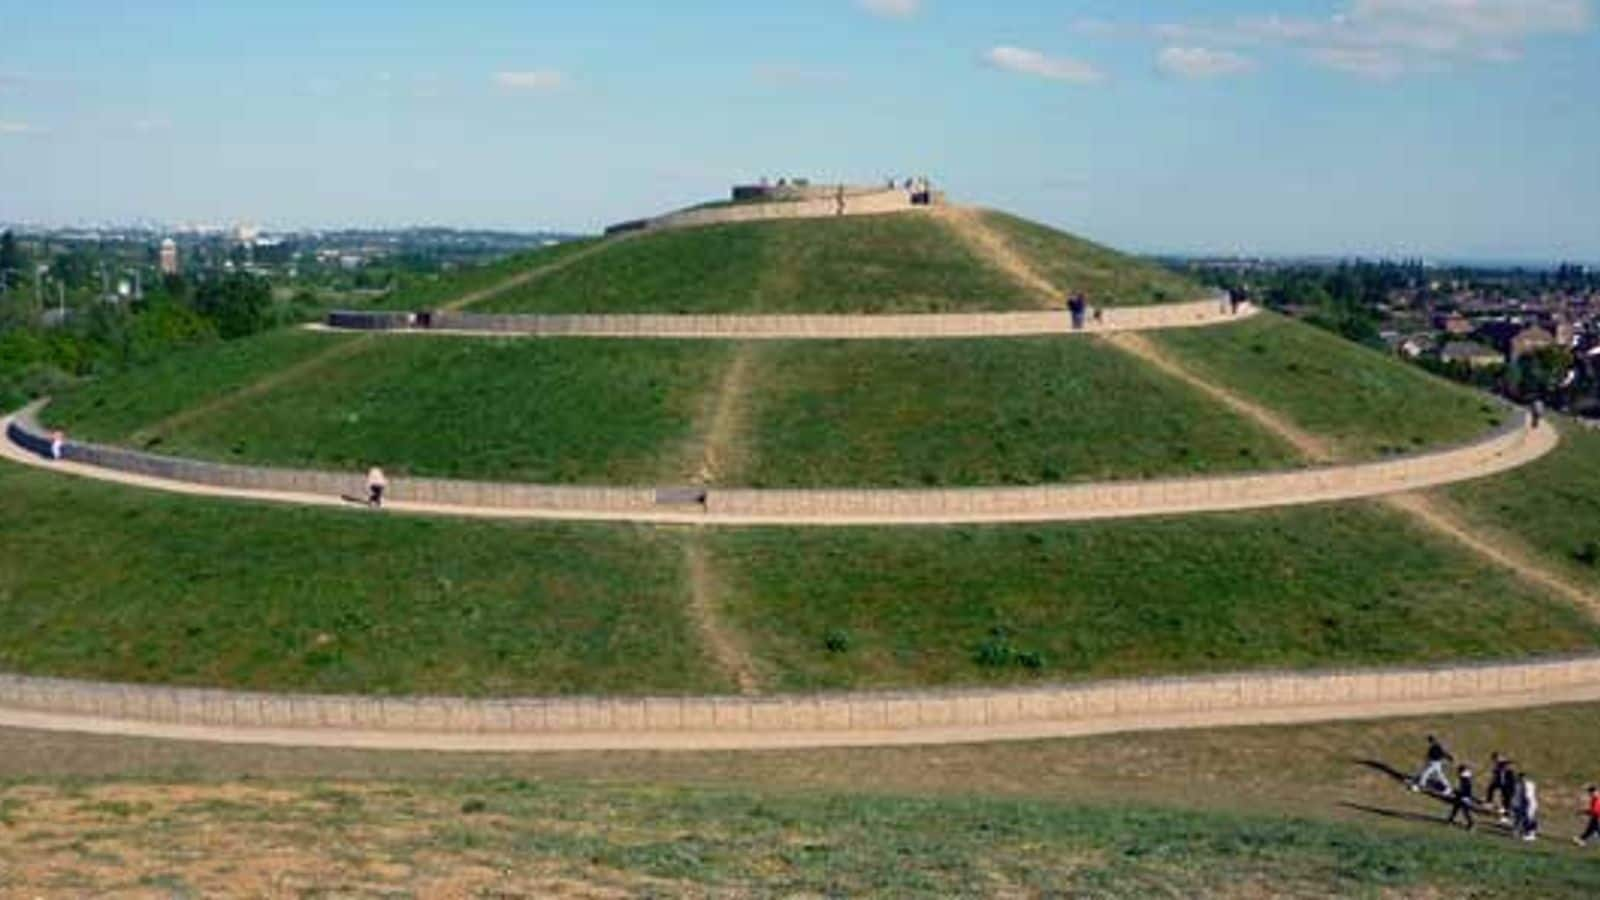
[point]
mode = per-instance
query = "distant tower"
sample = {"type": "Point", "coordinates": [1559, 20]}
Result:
{"type": "Point", "coordinates": [169, 257]}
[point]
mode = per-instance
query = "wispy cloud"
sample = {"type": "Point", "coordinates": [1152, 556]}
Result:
{"type": "Point", "coordinates": [1199, 62]}
{"type": "Point", "coordinates": [15, 128]}
{"type": "Point", "coordinates": [531, 80]}
{"type": "Point", "coordinates": [788, 75]}
{"type": "Point", "coordinates": [1383, 38]}
{"type": "Point", "coordinates": [1039, 65]}
{"type": "Point", "coordinates": [892, 9]}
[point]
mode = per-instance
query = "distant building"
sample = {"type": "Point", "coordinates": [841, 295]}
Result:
{"type": "Point", "coordinates": [1457, 325]}
{"type": "Point", "coordinates": [1531, 340]}
{"type": "Point", "coordinates": [1472, 354]}
{"type": "Point", "coordinates": [169, 257]}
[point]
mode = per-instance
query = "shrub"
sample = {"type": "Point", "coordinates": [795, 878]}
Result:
{"type": "Point", "coordinates": [837, 641]}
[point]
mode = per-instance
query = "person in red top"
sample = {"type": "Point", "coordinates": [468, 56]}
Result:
{"type": "Point", "coordinates": [1593, 812]}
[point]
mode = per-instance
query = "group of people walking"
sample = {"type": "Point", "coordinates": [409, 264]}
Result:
{"type": "Point", "coordinates": [1510, 794]}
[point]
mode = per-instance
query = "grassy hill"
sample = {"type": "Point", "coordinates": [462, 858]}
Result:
{"type": "Point", "coordinates": [1364, 403]}
{"type": "Point", "coordinates": [1106, 277]}
{"type": "Point", "coordinates": [166, 588]}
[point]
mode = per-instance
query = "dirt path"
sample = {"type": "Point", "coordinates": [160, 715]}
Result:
{"type": "Point", "coordinates": [968, 225]}
{"type": "Point", "coordinates": [1315, 449]}
{"type": "Point", "coordinates": [534, 274]}
{"type": "Point", "coordinates": [1433, 514]}
{"type": "Point", "coordinates": [726, 646]}
{"type": "Point", "coordinates": [716, 445]}
{"type": "Point", "coordinates": [305, 367]}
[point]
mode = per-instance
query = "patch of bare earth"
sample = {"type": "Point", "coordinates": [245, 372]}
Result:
{"type": "Point", "coordinates": [724, 641]}
{"type": "Point", "coordinates": [989, 245]}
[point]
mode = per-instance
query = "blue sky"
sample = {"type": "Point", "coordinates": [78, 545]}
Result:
{"type": "Point", "coordinates": [1460, 128]}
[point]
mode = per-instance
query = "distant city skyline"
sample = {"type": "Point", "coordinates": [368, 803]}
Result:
{"type": "Point", "coordinates": [1440, 129]}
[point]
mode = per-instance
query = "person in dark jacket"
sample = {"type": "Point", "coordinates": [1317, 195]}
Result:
{"type": "Point", "coordinates": [1432, 775]}
{"type": "Point", "coordinates": [1502, 785]}
{"type": "Point", "coordinates": [1462, 805]}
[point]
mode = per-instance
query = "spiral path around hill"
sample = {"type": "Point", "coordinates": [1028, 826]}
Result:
{"type": "Point", "coordinates": [757, 721]}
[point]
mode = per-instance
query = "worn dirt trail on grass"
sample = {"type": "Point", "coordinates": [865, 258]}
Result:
{"type": "Point", "coordinates": [1433, 514]}
{"type": "Point", "coordinates": [724, 641]}
{"type": "Point", "coordinates": [968, 225]}
{"type": "Point", "coordinates": [254, 389]}
{"type": "Point", "coordinates": [716, 456]}
{"type": "Point", "coordinates": [534, 274]}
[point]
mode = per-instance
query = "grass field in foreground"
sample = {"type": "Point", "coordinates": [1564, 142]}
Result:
{"type": "Point", "coordinates": [556, 411]}
{"type": "Point", "coordinates": [506, 837]}
{"type": "Point", "coordinates": [1343, 585]}
{"type": "Point", "coordinates": [1553, 504]}
{"type": "Point", "coordinates": [875, 264]}
{"type": "Point", "coordinates": [994, 412]}
{"type": "Point", "coordinates": [115, 408]}
{"type": "Point", "coordinates": [1106, 277]}
{"type": "Point", "coordinates": [1367, 404]}
{"type": "Point", "coordinates": [99, 581]}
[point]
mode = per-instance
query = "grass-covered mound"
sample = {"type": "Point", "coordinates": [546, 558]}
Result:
{"type": "Point", "coordinates": [983, 412]}
{"type": "Point", "coordinates": [1345, 585]}
{"type": "Point", "coordinates": [1553, 505]}
{"type": "Point", "coordinates": [129, 406]}
{"type": "Point", "coordinates": [874, 264]}
{"type": "Point", "coordinates": [99, 581]}
{"type": "Point", "coordinates": [1365, 403]}
{"type": "Point", "coordinates": [431, 291]}
{"type": "Point", "coordinates": [1105, 276]}
{"type": "Point", "coordinates": [564, 411]}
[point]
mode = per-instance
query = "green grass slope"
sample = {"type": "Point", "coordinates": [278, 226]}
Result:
{"type": "Point", "coordinates": [1105, 276]}
{"type": "Point", "coordinates": [113, 409]}
{"type": "Point", "coordinates": [1552, 505]}
{"type": "Point", "coordinates": [875, 264]}
{"type": "Point", "coordinates": [98, 581]}
{"type": "Point", "coordinates": [435, 290]}
{"type": "Point", "coordinates": [1290, 588]}
{"type": "Point", "coordinates": [1366, 403]}
{"type": "Point", "coordinates": [561, 411]}
{"type": "Point", "coordinates": [983, 412]}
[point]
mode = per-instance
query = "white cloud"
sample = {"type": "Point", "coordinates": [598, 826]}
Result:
{"type": "Point", "coordinates": [531, 80]}
{"type": "Point", "coordinates": [1032, 62]}
{"type": "Point", "coordinates": [1199, 62]}
{"type": "Point", "coordinates": [1388, 38]}
{"type": "Point", "coordinates": [19, 128]}
{"type": "Point", "coordinates": [892, 9]}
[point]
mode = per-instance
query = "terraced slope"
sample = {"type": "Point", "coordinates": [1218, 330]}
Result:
{"type": "Point", "coordinates": [1347, 585]}
{"type": "Point", "coordinates": [1070, 263]}
{"type": "Point", "coordinates": [876, 414]}
{"type": "Point", "coordinates": [175, 589]}
{"type": "Point", "coordinates": [1362, 403]}
{"type": "Point", "coordinates": [906, 263]}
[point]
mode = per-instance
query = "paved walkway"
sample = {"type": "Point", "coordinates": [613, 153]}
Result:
{"type": "Point", "coordinates": [865, 719]}
{"type": "Point", "coordinates": [916, 326]}
{"type": "Point", "coordinates": [1509, 447]}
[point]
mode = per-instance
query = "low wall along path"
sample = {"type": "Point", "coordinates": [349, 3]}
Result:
{"type": "Point", "coordinates": [1513, 444]}
{"type": "Point", "coordinates": [921, 326]}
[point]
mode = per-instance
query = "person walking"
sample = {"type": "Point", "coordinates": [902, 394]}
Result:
{"type": "Point", "coordinates": [1432, 774]}
{"type": "Point", "coordinates": [1592, 810]}
{"type": "Point", "coordinates": [1463, 801]}
{"type": "Point", "coordinates": [1538, 413]}
{"type": "Point", "coordinates": [1525, 809]}
{"type": "Point", "coordinates": [58, 444]}
{"type": "Point", "coordinates": [1502, 784]}
{"type": "Point", "coordinates": [1076, 307]}
{"type": "Point", "coordinates": [376, 485]}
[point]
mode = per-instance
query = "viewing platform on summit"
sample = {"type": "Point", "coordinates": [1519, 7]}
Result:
{"type": "Point", "coordinates": [796, 199]}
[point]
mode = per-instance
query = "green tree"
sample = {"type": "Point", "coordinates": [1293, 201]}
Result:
{"type": "Point", "coordinates": [239, 305]}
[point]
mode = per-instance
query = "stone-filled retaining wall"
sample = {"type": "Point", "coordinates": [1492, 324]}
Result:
{"type": "Point", "coordinates": [1138, 702]}
{"type": "Point", "coordinates": [854, 202]}
{"type": "Point", "coordinates": [917, 326]}
{"type": "Point", "coordinates": [1081, 502]}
